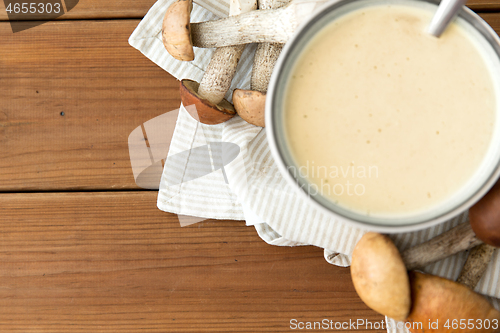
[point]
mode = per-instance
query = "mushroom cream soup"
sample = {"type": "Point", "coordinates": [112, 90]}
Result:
{"type": "Point", "coordinates": [383, 118]}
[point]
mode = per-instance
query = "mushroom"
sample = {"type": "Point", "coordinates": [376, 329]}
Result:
{"type": "Point", "coordinates": [457, 239]}
{"type": "Point", "coordinates": [454, 306]}
{"type": "Point", "coordinates": [176, 31]}
{"type": "Point", "coordinates": [379, 276]}
{"type": "Point", "coordinates": [485, 216]}
{"type": "Point", "coordinates": [484, 226]}
{"type": "Point", "coordinates": [260, 26]}
{"type": "Point", "coordinates": [475, 265]}
{"type": "Point", "coordinates": [376, 264]}
{"type": "Point", "coordinates": [208, 95]}
{"type": "Point", "coordinates": [452, 303]}
{"type": "Point", "coordinates": [250, 104]}
{"type": "Point", "coordinates": [381, 281]}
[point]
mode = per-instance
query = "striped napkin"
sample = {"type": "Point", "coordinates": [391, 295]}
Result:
{"type": "Point", "coordinates": [250, 187]}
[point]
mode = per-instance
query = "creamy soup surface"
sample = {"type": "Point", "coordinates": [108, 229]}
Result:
{"type": "Point", "coordinates": [383, 118]}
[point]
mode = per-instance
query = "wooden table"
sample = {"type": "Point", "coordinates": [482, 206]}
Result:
{"type": "Point", "coordinates": [82, 248]}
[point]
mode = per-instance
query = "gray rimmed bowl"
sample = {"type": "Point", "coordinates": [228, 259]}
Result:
{"type": "Point", "coordinates": [484, 178]}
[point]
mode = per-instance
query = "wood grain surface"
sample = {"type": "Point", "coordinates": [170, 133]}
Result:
{"type": "Point", "coordinates": [106, 259]}
{"type": "Point", "coordinates": [112, 262]}
{"type": "Point", "coordinates": [105, 89]}
{"type": "Point", "coordinates": [99, 9]}
{"type": "Point", "coordinates": [484, 5]}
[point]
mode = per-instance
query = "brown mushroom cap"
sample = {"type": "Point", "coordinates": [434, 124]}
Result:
{"type": "Point", "coordinates": [435, 298]}
{"type": "Point", "coordinates": [207, 112]}
{"type": "Point", "coordinates": [380, 277]}
{"type": "Point", "coordinates": [176, 30]}
{"type": "Point", "coordinates": [484, 217]}
{"type": "Point", "coordinates": [250, 105]}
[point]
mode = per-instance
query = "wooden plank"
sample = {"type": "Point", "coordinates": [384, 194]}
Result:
{"type": "Point", "coordinates": [484, 5]}
{"type": "Point", "coordinates": [98, 9]}
{"type": "Point", "coordinates": [105, 88]}
{"type": "Point", "coordinates": [112, 262]}
{"type": "Point", "coordinates": [87, 71]}
{"type": "Point", "coordinates": [493, 19]}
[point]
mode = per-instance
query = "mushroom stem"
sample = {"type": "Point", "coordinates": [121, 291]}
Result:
{"type": "Point", "coordinates": [475, 266]}
{"type": "Point", "coordinates": [455, 240]}
{"type": "Point", "coordinates": [220, 72]}
{"type": "Point", "coordinates": [484, 226]}
{"type": "Point", "coordinates": [260, 26]}
{"type": "Point", "coordinates": [250, 104]}
{"type": "Point", "coordinates": [222, 67]}
{"type": "Point", "coordinates": [263, 65]}
{"type": "Point", "coordinates": [266, 54]}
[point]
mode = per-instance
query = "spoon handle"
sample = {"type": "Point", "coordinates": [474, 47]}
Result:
{"type": "Point", "coordinates": [445, 13]}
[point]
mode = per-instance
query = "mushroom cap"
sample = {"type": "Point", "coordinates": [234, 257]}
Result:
{"type": "Point", "coordinates": [206, 112]}
{"type": "Point", "coordinates": [484, 217]}
{"type": "Point", "coordinates": [250, 105]}
{"type": "Point", "coordinates": [435, 298]}
{"type": "Point", "coordinates": [176, 30]}
{"type": "Point", "coordinates": [380, 277]}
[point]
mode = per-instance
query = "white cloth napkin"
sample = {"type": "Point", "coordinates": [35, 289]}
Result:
{"type": "Point", "coordinates": [250, 187]}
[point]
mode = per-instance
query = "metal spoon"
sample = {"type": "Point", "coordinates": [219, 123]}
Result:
{"type": "Point", "coordinates": [445, 13]}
